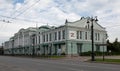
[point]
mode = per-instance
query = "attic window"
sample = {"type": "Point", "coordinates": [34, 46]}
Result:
{"type": "Point", "coordinates": [87, 26]}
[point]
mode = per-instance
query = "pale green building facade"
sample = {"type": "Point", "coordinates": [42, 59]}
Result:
{"type": "Point", "coordinates": [72, 38]}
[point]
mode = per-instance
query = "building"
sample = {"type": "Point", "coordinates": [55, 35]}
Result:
{"type": "Point", "coordinates": [72, 38]}
{"type": "Point", "coordinates": [1, 50]}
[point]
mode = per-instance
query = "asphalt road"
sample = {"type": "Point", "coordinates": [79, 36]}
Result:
{"type": "Point", "coordinates": [32, 64]}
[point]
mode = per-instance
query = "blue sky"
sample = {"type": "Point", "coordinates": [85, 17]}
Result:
{"type": "Point", "coordinates": [18, 1]}
{"type": "Point", "coordinates": [54, 12]}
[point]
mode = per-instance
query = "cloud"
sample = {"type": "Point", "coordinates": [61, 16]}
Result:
{"type": "Point", "coordinates": [54, 12]}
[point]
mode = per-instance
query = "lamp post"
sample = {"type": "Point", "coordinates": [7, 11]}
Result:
{"type": "Point", "coordinates": [33, 44]}
{"type": "Point", "coordinates": [2, 49]}
{"type": "Point", "coordinates": [92, 36]}
{"type": "Point", "coordinates": [13, 47]}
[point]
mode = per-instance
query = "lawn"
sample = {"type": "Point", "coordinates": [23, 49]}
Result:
{"type": "Point", "coordinates": [109, 60]}
{"type": "Point", "coordinates": [62, 56]}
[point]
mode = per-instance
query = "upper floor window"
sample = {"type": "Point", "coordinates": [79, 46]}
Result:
{"type": "Point", "coordinates": [43, 38]}
{"type": "Point", "coordinates": [80, 34]}
{"type": "Point", "coordinates": [55, 35]}
{"type": "Point", "coordinates": [95, 36]}
{"type": "Point", "coordinates": [87, 26]}
{"type": "Point", "coordinates": [86, 35]}
{"type": "Point", "coordinates": [47, 37]}
{"type": "Point", "coordinates": [39, 39]}
{"type": "Point", "coordinates": [98, 36]}
{"type": "Point", "coordinates": [36, 39]}
{"type": "Point", "coordinates": [63, 34]}
{"type": "Point", "coordinates": [77, 34]}
{"type": "Point", "coordinates": [59, 35]}
{"type": "Point", "coordinates": [50, 37]}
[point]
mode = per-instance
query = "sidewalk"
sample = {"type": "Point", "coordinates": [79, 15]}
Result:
{"type": "Point", "coordinates": [86, 58]}
{"type": "Point", "coordinates": [109, 57]}
{"type": "Point", "coordinates": [77, 58]}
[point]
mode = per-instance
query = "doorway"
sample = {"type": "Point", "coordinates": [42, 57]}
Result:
{"type": "Point", "coordinates": [79, 48]}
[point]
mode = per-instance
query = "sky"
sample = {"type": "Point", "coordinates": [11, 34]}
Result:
{"type": "Point", "coordinates": [28, 13]}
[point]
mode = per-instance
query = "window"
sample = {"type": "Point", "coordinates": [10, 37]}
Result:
{"type": "Point", "coordinates": [55, 35]}
{"type": "Point", "coordinates": [86, 35]}
{"type": "Point", "coordinates": [59, 35]}
{"type": "Point", "coordinates": [39, 39]}
{"type": "Point", "coordinates": [63, 34]}
{"type": "Point", "coordinates": [95, 36]}
{"type": "Point", "coordinates": [36, 39]}
{"type": "Point", "coordinates": [98, 36]}
{"type": "Point", "coordinates": [47, 37]}
{"type": "Point", "coordinates": [80, 34]}
{"type": "Point", "coordinates": [50, 37]}
{"type": "Point", "coordinates": [88, 26]}
{"type": "Point", "coordinates": [77, 34]}
{"type": "Point", "coordinates": [43, 38]}
{"type": "Point", "coordinates": [97, 48]}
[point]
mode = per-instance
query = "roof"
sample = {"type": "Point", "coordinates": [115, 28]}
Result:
{"type": "Point", "coordinates": [83, 22]}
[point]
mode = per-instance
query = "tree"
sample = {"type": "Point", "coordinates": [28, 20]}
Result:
{"type": "Point", "coordinates": [116, 45]}
{"type": "Point", "coordinates": [109, 46]}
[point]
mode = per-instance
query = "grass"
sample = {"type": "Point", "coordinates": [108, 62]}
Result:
{"type": "Point", "coordinates": [41, 56]}
{"type": "Point", "coordinates": [53, 56]}
{"type": "Point", "coordinates": [109, 60]}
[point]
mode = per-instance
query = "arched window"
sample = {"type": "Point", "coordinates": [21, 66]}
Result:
{"type": "Point", "coordinates": [88, 26]}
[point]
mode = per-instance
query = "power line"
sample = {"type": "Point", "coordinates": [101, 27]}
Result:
{"type": "Point", "coordinates": [22, 19]}
{"type": "Point", "coordinates": [27, 9]}
{"type": "Point", "coordinates": [19, 8]}
{"type": "Point", "coordinates": [15, 18]}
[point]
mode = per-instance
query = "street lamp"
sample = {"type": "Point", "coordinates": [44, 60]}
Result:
{"type": "Point", "coordinates": [92, 36]}
{"type": "Point", "coordinates": [33, 44]}
{"type": "Point", "coordinates": [12, 47]}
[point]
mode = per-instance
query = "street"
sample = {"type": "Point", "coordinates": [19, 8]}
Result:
{"type": "Point", "coordinates": [8, 63]}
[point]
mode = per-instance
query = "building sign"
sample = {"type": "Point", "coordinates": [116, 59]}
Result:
{"type": "Point", "coordinates": [72, 34]}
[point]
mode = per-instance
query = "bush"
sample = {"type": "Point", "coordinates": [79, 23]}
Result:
{"type": "Point", "coordinates": [96, 53]}
{"type": "Point", "coordinates": [86, 53]}
{"type": "Point", "coordinates": [63, 53]}
{"type": "Point", "coordinates": [99, 53]}
{"type": "Point", "coordinates": [54, 53]}
{"type": "Point", "coordinates": [114, 53]}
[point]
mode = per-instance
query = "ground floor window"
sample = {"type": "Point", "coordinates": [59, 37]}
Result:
{"type": "Point", "coordinates": [97, 48]}
{"type": "Point", "coordinates": [79, 48]}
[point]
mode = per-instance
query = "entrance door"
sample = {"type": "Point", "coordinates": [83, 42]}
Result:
{"type": "Point", "coordinates": [79, 48]}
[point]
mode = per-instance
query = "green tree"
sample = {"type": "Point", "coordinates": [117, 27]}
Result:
{"type": "Point", "coordinates": [109, 46]}
{"type": "Point", "coordinates": [116, 45]}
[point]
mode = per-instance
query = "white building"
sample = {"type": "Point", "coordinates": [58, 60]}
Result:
{"type": "Point", "coordinates": [73, 38]}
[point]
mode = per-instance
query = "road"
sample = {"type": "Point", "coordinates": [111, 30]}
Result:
{"type": "Point", "coordinates": [33, 64]}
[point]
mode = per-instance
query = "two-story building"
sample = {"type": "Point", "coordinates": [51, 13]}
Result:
{"type": "Point", "coordinates": [72, 38]}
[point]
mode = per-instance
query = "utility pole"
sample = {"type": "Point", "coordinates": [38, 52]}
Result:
{"type": "Point", "coordinates": [103, 51]}
{"type": "Point", "coordinates": [33, 44]}
{"type": "Point", "coordinates": [92, 36]}
{"type": "Point", "coordinates": [12, 47]}
{"type": "Point", "coordinates": [2, 49]}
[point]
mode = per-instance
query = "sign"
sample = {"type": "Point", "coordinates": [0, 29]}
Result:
{"type": "Point", "coordinates": [72, 35]}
